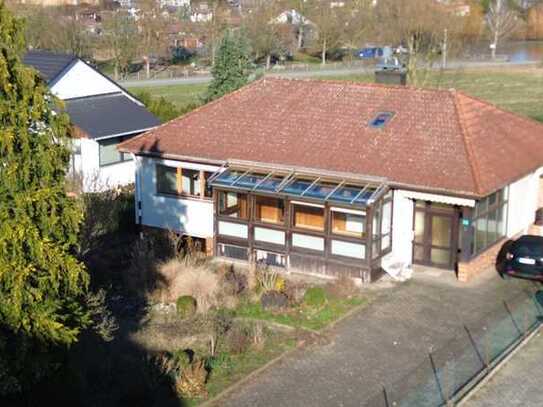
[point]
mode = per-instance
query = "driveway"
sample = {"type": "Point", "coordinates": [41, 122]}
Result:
{"type": "Point", "coordinates": [381, 344]}
{"type": "Point", "coordinates": [518, 383]}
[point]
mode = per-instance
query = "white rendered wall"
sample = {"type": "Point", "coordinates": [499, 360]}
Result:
{"type": "Point", "coordinates": [193, 217]}
{"type": "Point", "coordinates": [96, 178]}
{"type": "Point", "coordinates": [523, 202]}
{"type": "Point", "coordinates": [82, 80]}
{"type": "Point", "coordinates": [402, 228]}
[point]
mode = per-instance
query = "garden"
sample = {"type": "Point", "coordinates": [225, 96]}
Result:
{"type": "Point", "coordinates": [209, 323]}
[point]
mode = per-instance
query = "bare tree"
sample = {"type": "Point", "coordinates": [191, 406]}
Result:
{"type": "Point", "coordinates": [214, 28]}
{"type": "Point", "coordinates": [357, 24]}
{"type": "Point", "coordinates": [425, 27]}
{"type": "Point", "coordinates": [152, 32]}
{"type": "Point", "coordinates": [267, 36]}
{"type": "Point", "coordinates": [502, 21]}
{"type": "Point", "coordinates": [328, 22]}
{"type": "Point", "coordinates": [121, 40]}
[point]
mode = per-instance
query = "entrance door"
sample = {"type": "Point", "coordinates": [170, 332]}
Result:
{"type": "Point", "coordinates": [436, 233]}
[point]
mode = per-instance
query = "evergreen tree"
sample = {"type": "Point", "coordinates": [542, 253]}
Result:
{"type": "Point", "coordinates": [42, 284]}
{"type": "Point", "coordinates": [232, 64]}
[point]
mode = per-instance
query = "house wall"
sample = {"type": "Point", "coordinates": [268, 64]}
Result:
{"type": "Point", "coordinates": [82, 80]}
{"type": "Point", "coordinates": [193, 216]}
{"type": "Point", "coordinates": [96, 178]}
{"type": "Point", "coordinates": [523, 202]}
{"type": "Point", "coordinates": [402, 228]}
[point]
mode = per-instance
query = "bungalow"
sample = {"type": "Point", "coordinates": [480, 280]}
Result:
{"type": "Point", "coordinates": [335, 177]}
{"type": "Point", "coordinates": [103, 114]}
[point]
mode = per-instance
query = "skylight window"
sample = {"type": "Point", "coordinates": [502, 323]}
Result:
{"type": "Point", "coordinates": [381, 120]}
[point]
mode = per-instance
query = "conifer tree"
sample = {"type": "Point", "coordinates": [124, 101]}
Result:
{"type": "Point", "coordinates": [42, 284]}
{"type": "Point", "coordinates": [232, 64]}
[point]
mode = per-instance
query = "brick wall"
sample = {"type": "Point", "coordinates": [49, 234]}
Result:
{"type": "Point", "coordinates": [484, 262]}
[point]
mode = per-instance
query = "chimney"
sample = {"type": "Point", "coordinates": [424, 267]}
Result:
{"type": "Point", "coordinates": [391, 72]}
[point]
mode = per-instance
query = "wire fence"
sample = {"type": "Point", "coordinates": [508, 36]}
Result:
{"type": "Point", "coordinates": [449, 372]}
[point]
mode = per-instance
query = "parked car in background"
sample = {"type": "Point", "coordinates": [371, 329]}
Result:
{"type": "Point", "coordinates": [523, 258]}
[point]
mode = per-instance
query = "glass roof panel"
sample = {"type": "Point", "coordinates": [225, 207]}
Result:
{"type": "Point", "coordinates": [346, 194]}
{"type": "Point", "coordinates": [297, 187]}
{"type": "Point", "coordinates": [227, 177]}
{"type": "Point", "coordinates": [364, 197]}
{"type": "Point", "coordinates": [271, 184]}
{"type": "Point", "coordinates": [249, 180]}
{"type": "Point", "coordinates": [320, 190]}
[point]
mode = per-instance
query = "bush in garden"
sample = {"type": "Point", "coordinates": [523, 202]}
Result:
{"type": "Point", "coordinates": [235, 283]}
{"type": "Point", "coordinates": [181, 359]}
{"type": "Point", "coordinates": [280, 284]}
{"type": "Point", "coordinates": [342, 287]}
{"type": "Point", "coordinates": [315, 297]}
{"type": "Point", "coordinates": [274, 300]}
{"type": "Point", "coordinates": [239, 339]}
{"type": "Point", "coordinates": [179, 277]}
{"type": "Point", "coordinates": [186, 306]}
{"type": "Point", "coordinates": [266, 278]}
{"type": "Point", "coordinates": [191, 383]}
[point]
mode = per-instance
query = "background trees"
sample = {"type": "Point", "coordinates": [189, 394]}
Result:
{"type": "Point", "coordinates": [42, 284]}
{"type": "Point", "coordinates": [232, 64]}
{"type": "Point", "coordinates": [120, 38]}
{"type": "Point", "coordinates": [502, 21]}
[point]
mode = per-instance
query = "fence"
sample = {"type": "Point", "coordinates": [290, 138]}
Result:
{"type": "Point", "coordinates": [449, 372]}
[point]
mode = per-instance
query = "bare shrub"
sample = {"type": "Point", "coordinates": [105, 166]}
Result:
{"type": "Point", "coordinates": [266, 278]}
{"type": "Point", "coordinates": [258, 335]}
{"type": "Point", "coordinates": [104, 323]}
{"type": "Point", "coordinates": [342, 287]}
{"type": "Point", "coordinates": [180, 277]}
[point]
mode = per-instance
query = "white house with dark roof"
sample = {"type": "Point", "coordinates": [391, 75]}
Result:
{"type": "Point", "coordinates": [103, 114]}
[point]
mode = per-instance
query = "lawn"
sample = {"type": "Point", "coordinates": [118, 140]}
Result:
{"type": "Point", "coordinates": [519, 90]}
{"type": "Point", "coordinates": [181, 95]}
{"type": "Point", "coordinates": [303, 317]}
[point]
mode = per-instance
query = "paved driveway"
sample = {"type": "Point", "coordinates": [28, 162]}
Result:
{"type": "Point", "coordinates": [381, 344]}
{"type": "Point", "coordinates": [518, 383]}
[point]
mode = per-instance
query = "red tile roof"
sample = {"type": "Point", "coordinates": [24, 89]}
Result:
{"type": "Point", "coordinates": [439, 140]}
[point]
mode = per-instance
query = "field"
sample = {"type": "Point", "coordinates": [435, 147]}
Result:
{"type": "Point", "coordinates": [519, 90]}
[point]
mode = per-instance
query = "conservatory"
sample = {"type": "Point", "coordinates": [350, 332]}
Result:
{"type": "Point", "coordinates": [300, 219]}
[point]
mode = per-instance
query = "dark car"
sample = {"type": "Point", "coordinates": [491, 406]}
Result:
{"type": "Point", "coordinates": [523, 258]}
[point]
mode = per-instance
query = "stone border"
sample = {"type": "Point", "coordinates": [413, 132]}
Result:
{"type": "Point", "coordinates": [299, 345]}
{"type": "Point", "coordinates": [481, 379]}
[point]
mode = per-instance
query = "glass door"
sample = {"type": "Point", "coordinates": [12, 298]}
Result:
{"type": "Point", "coordinates": [434, 243]}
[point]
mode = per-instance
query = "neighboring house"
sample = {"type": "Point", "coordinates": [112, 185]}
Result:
{"type": "Point", "coordinates": [335, 177]}
{"type": "Point", "coordinates": [103, 114]}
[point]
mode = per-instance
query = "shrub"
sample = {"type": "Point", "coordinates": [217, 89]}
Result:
{"type": "Point", "coordinates": [181, 359]}
{"type": "Point", "coordinates": [342, 287]}
{"type": "Point", "coordinates": [315, 297]}
{"type": "Point", "coordinates": [191, 383]}
{"type": "Point", "coordinates": [186, 306]}
{"type": "Point", "coordinates": [266, 278]}
{"type": "Point", "coordinates": [239, 339]}
{"type": "Point", "coordinates": [235, 283]}
{"type": "Point", "coordinates": [181, 277]}
{"type": "Point", "coordinates": [274, 300]}
{"type": "Point", "coordinates": [280, 284]}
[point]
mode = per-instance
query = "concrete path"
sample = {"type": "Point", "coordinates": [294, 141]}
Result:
{"type": "Point", "coordinates": [381, 344]}
{"type": "Point", "coordinates": [518, 383]}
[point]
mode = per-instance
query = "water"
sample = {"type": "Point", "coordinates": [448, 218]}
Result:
{"type": "Point", "coordinates": [516, 51]}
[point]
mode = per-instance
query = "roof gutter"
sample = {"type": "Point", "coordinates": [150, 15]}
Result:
{"type": "Point", "coordinates": [176, 157]}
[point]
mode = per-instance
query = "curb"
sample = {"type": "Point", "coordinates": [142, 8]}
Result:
{"type": "Point", "coordinates": [487, 376]}
{"type": "Point", "coordinates": [254, 373]}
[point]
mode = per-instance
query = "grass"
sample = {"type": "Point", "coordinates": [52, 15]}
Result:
{"type": "Point", "coordinates": [303, 317]}
{"type": "Point", "coordinates": [519, 90]}
{"type": "Point", "coordinates": [181, 95]}
{"type": "Point", "coordinates": [236, 367]}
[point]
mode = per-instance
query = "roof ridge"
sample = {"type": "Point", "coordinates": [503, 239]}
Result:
{"type": "Point", "coordinates": [472, 161]}
{"type": "Point", "coordinates": [97, 95]}
{"type": "Point", "coordinates": [192, 112]}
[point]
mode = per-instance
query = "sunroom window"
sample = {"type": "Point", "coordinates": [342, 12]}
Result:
{"type": "Point", "coordinates": [308, 217]}
{"type": "Point", "coordinates": [233, 204]}
{"type": "Point", "coordinates": [348, 223]}
{"type": "Point", "coordinates": [269, 210]}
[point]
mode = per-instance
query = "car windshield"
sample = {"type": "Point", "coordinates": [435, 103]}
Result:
{"type": "Point", "coordinates": [528, 246]}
